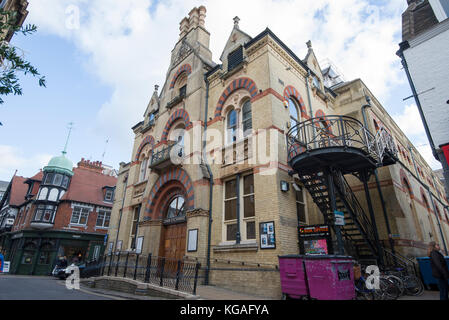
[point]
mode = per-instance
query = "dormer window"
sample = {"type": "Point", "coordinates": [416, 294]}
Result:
{"type": "Point", "coordinates": [109, 195]}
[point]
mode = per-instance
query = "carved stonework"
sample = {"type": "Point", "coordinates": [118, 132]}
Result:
{"type": "Point", "coordinates": [197, 213]}
{"type": "Point", "coordinates": [183, 52]}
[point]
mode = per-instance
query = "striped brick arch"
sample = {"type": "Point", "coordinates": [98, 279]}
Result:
{"type": "Point", "coordinates": [175, 177]}
{"type": "Point", "coordinates": [147, 140]}
{"type": "Point", "coordinates": [240, 83]}
{"type": "Point", "coordinates": [185, 68]}
{"type": "Point", "coordinates": [291, 91]}
{"type": "Point", "coordinates": [178, 114]}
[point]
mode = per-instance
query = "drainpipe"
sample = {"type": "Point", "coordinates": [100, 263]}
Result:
{"type": "Point", "coordinates": [308, 94]}
{"type": "Point", "coordinates": [379, 189]}
{"type": "Point", "coordinates": [404, 46]}
{"type": "Point", "coordinates": [211, 184]}
{"type": "Point", "coordinates": [121, 213]}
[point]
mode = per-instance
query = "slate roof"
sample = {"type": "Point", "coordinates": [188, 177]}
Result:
{"type": "Point", "coordinates": [86, 186]}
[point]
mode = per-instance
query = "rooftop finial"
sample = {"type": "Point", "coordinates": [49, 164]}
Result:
{"type": "Point", "coordinates": [156, 87]}
{"type": "Point", "coordinates": [70, 127]}
{"type": "Point", "coordinates": [309, 44]}
{"type": "Point", "coordinates": [236, 22]}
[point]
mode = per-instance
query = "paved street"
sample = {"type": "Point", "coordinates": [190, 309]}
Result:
{"type": "Point", "coordinates": [42, 288]}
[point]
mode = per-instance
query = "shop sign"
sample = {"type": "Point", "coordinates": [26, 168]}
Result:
{"type": "Point", "coordinates": [339, 218]}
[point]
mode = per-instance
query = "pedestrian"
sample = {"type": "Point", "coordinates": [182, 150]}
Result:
{"type": "Point", "coordinates": [439, 269]}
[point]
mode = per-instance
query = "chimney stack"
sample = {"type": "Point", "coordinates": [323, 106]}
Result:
{"type": "Point", "coordinates": [197, 18]}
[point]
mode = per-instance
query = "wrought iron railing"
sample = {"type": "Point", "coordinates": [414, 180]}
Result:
{"type": "Point", "coordinates": [349, 199]}
{"type": "Point", "coordinates": [179, 275]}
{"type": "Point", "coordinates": [166, 153]}
{"type": "Point", "coordinates": [397, 260]}
{"type": "Point", "coordinates": [338, 131]}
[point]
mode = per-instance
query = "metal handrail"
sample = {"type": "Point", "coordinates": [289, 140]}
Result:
{"type": "Point", "coordinates": [338, 131]}
{"type": "Point", "coordinates": [164, 154]}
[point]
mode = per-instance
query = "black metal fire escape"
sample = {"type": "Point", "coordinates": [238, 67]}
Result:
{"type": "Point", "coordinates": [322, 151]}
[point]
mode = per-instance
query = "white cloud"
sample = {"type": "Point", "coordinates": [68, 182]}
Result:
{"type": "Point", "coordinates": [411, 124]}
{"type": "Point", "coordinates": [129, 47]}
{"type": "Point", "coordinates": [410, 121]}
{"type": "Point", "coordinates": [13, 158]}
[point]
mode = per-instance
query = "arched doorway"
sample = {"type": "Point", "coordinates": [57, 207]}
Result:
{"type": "Point", "coordinates": [173, 209]}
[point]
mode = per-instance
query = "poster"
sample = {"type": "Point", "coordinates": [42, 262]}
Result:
{"type": "Point", "coordinates": [313, 247]}
{"type": "Point", "coordinates": [267, 235]}
{"type": "Point", "coordinates": [193, 241]}
{"type": "Point", "coordinates": [119, 246]}
{"type": "Point", "coordinates": [139, 245]}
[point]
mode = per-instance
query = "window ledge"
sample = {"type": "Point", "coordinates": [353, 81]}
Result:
{"type": "Point", "coordinates": [236, 247]}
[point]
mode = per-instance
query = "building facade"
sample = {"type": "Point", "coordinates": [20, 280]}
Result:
{"type": "Point", "coordinates": [424, 51]}
{"type": "Point", "coordinates": [61, 211]}
{"type": "Point", "coordinates": [230, 200]}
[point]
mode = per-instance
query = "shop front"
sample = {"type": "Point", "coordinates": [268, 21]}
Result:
{"type": "Point", "coordinates": [33, 253]}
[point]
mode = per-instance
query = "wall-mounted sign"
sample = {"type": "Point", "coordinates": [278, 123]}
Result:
{"type": "Point", "coordinates": [139, 245]}
{"type": "Point", "coordinates": [119, 246]}
{"type": "Point", "coordinates": [192, 244]}
{"type": "Point", "coordinates": [315, 240]}
{"type": "Point", "coordinates": [6, 267]}
{"type": "Point", "coordinates": [267, 235]}
{"type": "Point", "coordinates": [339, 218]}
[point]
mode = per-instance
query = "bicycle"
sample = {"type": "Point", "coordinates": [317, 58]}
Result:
{"type": "Point", "coordinates": [412, 285]}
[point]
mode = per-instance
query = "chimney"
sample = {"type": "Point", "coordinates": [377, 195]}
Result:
{"type": "Point", "coordinates": [183, 27]}
{"type": "Point", "coordinates": [197, 18]}
{"type": "Point", "coordinates": [95, 166]}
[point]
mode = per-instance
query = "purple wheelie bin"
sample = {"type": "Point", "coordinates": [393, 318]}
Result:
{"type": "Point", "coordinates": [321, 277]}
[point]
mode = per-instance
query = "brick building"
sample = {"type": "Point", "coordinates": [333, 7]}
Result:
{"type": "Point", "coordinates": [231, 201]}
{"type": "Point", "coordinates": [61, 211]}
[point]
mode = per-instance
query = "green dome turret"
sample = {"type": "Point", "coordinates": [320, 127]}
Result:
{"type": "Point", "coordinates": [60, 164]}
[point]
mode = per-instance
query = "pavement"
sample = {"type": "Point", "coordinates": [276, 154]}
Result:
{"type": "Point", "coordinates": [43, 288]}
{"type": "Point", "coordinates": [48, 288]}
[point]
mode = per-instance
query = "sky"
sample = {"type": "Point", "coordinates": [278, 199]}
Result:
{"type": "Point", "coordinates": [102, 58]}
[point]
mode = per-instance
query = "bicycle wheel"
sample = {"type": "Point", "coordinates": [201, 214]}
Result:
{"type": "Point", "coordinates": [389, 289]}
{"type": "Point", "coordinates": [399, 283]}
{"type": "Point", "coordinates": [413, 286]}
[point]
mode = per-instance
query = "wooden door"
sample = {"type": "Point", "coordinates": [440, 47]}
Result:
{"type": "Point", "coordinates": [174, 241]}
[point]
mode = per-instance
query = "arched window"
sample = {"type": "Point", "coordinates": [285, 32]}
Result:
{"type": "Point", "coordinates": [143, 168]}
{"type": "Point", "coordinates": [294, 113]}
{"type": "Point", "coordinates": [43, 194]}
{"type": "Point", "coordinates": [53, 196]}
{"type": "Point", "coordinates": [231, 127]}
{"type": "Point", "coordinates": [176, 207]}
{"type": "Point", "coordinates": [247, 118]}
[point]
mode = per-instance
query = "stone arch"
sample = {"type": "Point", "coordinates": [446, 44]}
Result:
{"type": "Point", "coordinates": [175, 177]}
{"type": "Point", "coordinates": [406, 183]}
{"type": "Point", "coordinates": [147, 140]}
{"type": "Point", "coordinates": [240, 83]}
{"type": "Point", "coordinates": [425, 200]}
{"type": "Point", "coordinates": [178, 114]}
{"type": "Point", "coordinates": [292, 92]}
{"type": "Point", "coordinates": [184, 68]}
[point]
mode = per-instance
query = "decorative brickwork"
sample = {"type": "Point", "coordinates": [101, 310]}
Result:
{"type": "Point", "coordinates": [241, 83]}
{"type": "Point", "coordinates": [178, 114]}
{"type": "Point", "coordinates": [185, 68]}
{"type": "Point", "coordinates": [291, 91]}
{"type": "Point", "coordinates": [147, 140]}
{"type": "Point", "coordinates": [164, 182]}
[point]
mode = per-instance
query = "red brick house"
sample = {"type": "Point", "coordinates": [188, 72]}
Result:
{"type": "Point", "coordinates": [65, 211]}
